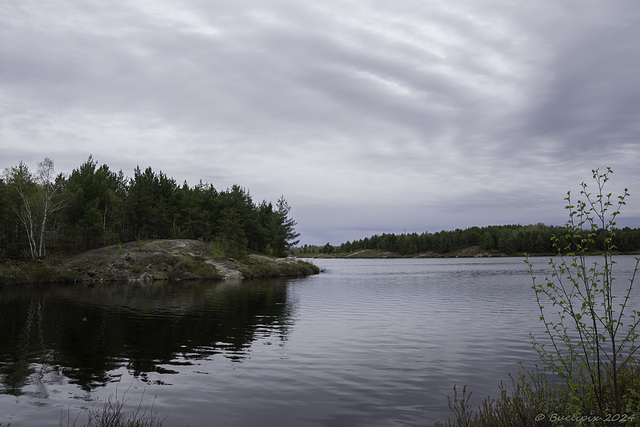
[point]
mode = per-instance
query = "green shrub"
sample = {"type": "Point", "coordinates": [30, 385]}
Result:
{"type": "Point", "coordinates": [179, 270]}
{"type": "Point", "coordinates": [255, 268]}
{"type": "Point", "coordinates": [192, 269]}
{"type": "Point", "coordinates": [220, 248]}
{"type": "Point", "coordinates": [590, 332]}
{"type": "Point", "coordinates": [204, 270]}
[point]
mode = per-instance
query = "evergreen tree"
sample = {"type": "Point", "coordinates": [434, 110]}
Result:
{"type": "Point", "coordinates": [486, 241]}
{"type": "Point", "coordinates": [93, 200]}
{"type": "Point", "coordinates": [283, 234]}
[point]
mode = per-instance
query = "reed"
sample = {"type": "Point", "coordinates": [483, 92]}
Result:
{"type": "Point", "coordinates": [113, 414]}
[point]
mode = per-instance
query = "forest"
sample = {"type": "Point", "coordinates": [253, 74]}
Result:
{"type": "Point", "coordinates": [505, 239]}
{"type": "Point", "coordinates": [43, 213]}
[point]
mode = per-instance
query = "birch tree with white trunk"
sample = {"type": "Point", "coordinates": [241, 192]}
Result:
{"type": "Point", "coordinates": [38, 194]}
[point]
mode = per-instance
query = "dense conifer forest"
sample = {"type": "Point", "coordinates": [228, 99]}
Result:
{"type": "Point", "coordinates": [43, 213]}
{"type": "Point", "coordinates": [94, 206]}
{"type": "Point", "coordinates": [503, 239]}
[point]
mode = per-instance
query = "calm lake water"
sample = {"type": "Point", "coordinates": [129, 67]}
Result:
{"type": "Point", "coordinates": [366, 343]}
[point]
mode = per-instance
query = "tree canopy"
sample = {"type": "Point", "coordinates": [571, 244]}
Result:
{"type": "Point", "coordinates": [507, 239]}
{"type": "Point", "coordinates": [94, 206]}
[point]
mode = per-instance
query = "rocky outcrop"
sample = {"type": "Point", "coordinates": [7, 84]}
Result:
{"type": "Point", "coordinates": [179, 259]}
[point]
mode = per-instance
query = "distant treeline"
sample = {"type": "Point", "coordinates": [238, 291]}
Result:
{"type": "Point", "coordinates": [508, 239]}
{"type": "Point", "coordinates": [95, 206]}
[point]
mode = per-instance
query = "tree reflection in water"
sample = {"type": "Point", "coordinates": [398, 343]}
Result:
{"type": "Point", "coordinates": [86, 333]}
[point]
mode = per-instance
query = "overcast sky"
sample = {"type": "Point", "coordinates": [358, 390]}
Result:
{"type": "Point", "coordinates": [369, 116]}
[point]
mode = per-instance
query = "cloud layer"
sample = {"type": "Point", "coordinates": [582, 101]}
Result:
{"type": "Point", "coordinates": [369, 116]}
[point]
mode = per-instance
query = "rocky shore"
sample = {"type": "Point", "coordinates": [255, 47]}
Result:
{"type": "Point", "coordinates": [148, 260]}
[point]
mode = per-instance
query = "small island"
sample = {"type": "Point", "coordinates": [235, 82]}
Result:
{"type": "Point", "coordinates": [98, 225]}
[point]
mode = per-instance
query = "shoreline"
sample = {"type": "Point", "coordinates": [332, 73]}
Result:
{"type": "Point", "coordinates": [470, 252]}
{"type": "Point", "coordinates": [151, 260]}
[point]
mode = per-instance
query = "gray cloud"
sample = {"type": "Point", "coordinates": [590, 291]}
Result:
{"type": "Point", "coordinates": [370, 116]}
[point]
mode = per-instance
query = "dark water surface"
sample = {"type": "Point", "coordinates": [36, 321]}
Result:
{"type": "Point", "coordinates": [366, 343]}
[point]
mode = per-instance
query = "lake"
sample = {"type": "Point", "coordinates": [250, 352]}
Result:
{"type": "Point", "coordinates": [377, 342]}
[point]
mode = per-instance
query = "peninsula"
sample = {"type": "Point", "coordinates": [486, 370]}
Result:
{"type": "Point", "coordinates": [149, 260]}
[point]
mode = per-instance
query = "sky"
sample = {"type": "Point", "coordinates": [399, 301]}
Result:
{"type": "Point", "coordinates": [369, 116]}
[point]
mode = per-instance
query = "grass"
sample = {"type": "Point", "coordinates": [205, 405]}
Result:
{"type": "Point", "coordinates": [113, 414]}
{"type": "Point", "coordinates": [32, 272]}
{"type": "Point", "coordinates": [533, 400]}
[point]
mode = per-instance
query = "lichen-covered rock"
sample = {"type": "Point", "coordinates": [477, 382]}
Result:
{"type": "Point", "coordinates": [179, 259]}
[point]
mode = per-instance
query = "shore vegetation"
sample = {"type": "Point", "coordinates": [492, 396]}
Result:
{"type": "Point", "coordinates": [112, 413]}
{"type": "Point", "coordinates": [590, 371]}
